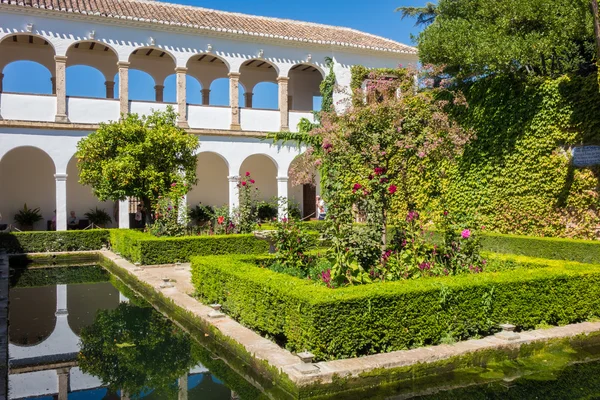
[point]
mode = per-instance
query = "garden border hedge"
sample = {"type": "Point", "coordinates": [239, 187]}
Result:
{"type": "Point", "coordinates": [53, 241]}
{"type": "Point", "coordinates": [383, 317]}
{"type": "Point", "coordinates": [150, 250]}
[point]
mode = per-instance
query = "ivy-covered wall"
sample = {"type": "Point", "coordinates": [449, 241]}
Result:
{"type": "Point", "coordinates": [516, 177]}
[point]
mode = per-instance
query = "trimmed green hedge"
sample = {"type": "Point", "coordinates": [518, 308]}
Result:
{"type": "Point", "coordinates": [148, 250]}
{"type": "Point", "coordinates": [585, 251]}
{"type": "Point", "coordinates": [47, 241]}
{"type": "Point", "coordinates": [32, 277]}
{"type": "Point", "coordinates": [383, 317]}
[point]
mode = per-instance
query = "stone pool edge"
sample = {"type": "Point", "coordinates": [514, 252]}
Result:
{"type": "Point", "coordinates": [292, 366]}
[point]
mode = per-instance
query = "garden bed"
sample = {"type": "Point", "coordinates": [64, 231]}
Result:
{"type": "Point", "coordinates": [382, 317]}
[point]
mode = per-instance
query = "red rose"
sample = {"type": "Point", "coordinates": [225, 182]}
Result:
{"type": "Point", "coordinates": [243, 183]}
{"type": "Point", "coordinates": [392, 189]}
{"type": "Point", "coordinates": [252, 181]}
{"type": "Point", "coordinates": [247, 173]}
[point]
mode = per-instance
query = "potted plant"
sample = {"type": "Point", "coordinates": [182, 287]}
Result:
{"type": "Point", "coordinates": [98, 217]}
{"type": "Point", "coordinates": [27, 217]}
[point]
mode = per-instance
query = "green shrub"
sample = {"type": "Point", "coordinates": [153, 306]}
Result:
{"type": "Point", "coordinates": [45, 241]}
{"type": "Point", "coordinates": [147, 249]}
{"type": "Point", "coordinates": [382, 317]}
{"type": "Point", "coordinates": [32, 277]}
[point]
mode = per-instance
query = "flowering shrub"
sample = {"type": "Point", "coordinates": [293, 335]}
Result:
{"type": "Point", "coordinates": [291, 243]}
{"type": "Point", "coordinates": [245, 216]}
{"type": "Point", "coordinates": [168, 220]}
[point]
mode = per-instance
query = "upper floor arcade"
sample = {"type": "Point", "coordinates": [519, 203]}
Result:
{"type": "Point", "coordinates": [215, 68]}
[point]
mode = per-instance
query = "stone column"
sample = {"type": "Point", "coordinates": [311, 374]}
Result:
{"type": "Point", "coordinates": [110, 89]}
{"type": "Point", "coordinates": [53, 83]}
{"type": "Point", "coordinates": [124, 214]}
{"type": "Point", "coordinates": [61, 89]}
{"type": "Point", "coordinates": [248, 99]}
{"type": "Point", "coordinates": [282, 194]}
{"type": "Point", "coordinates": [183, 387]}
{"type": "Point", "coordinates": [181, 97]}
{"type": "Point", "coordinates": [233, 193]}
{"type": "Point", "coordinates": [61, 201]}
{"type": "Point", "coordinates": [282, 82]}
{"type": "Point", "coordinates": [205, 97]}
{"type": "Point", "coordinates": [123, 87]}
{"type": "Point", "coordinates": [234, 101]}
{"type": "Point", "coordinates": [63, 383]}
{"type": "Point", "coordinates": [159, 91]}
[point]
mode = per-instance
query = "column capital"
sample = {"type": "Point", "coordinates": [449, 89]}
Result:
{"type": "Point", "coordinates": [234, 75]}
{"type": "Point", "coordinates": [181, 69]}
{"type": "Point", "coordinates": [60, 177]}
{"type": "Point", "coordinates": [205, 90]}
{"type": "Point", "coordinates": [283, 178]}
{"type": "Point", "coordinates": [233, 178]}
{"type": "Point", "coordinates": [109, 83]}
{"type": "Point", "coordinates": [159, 86]}
{"type": "Point", "coordinates": [60, 59]}
{"type": "Point", "coordinates": [123, 64]}
{"type": "Point", "coordinates": [283, 79]}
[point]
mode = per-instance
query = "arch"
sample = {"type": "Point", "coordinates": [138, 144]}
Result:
{"type": "Point", "coordinates": [219, 92]}
{"type": "Point", "coordinates": [156, 62]}
{"type": "Point", "coordinates": [304, 89]}
{"type": "Point", "coordinates": [311, 65]}
{"type": "Point", "coordinates": [252, 74]}
{"type": "Point", "coordinates": [32, 314]}
{"type": "Point", "coordinates": [212, 187]}
{"type": "Point", "coordinates": [94, 54]}
{"type": "Point", "coordinates": [302, 188]}
{"type": "Point", "coordinates": [265, 95]}
{"type": "Point", "coordinates": [261, 62]}
{"type": "Point", "coordinates": [10, 36]}
{"type": "Point", "coordinates": [263, 169]}
{"type": "Point", "coordinates": [85, 81]}
{"type": "Point", "coordinates": [27, 177]}
{"type": "Point", "coordinates": [81, 199]}
{"type": "Point", "coordinates": [24, 76]}
{"type": "Point", "coordinates": [141, 86]}
{"type": "Point", "coordinates": [203, 56]}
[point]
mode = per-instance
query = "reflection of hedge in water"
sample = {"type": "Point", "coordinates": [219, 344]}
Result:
{"type": "Point", "coordinates": [22, 277]}
{"type": "Point", "coordinates": [34, 242]}
{"type": "Point", "coordinates": [135, 349]}
{"type": "Point", "coordinates": [579, 381]}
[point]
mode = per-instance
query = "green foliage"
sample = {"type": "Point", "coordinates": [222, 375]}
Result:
{"type": "Point", "coordinates": [383, 317]}
{"type": "Point", "coordinates": [98, 217]}
{"type": "Point", "coordinates": [425, 15]}
{"type": "Point", "coordinates": [33, 277]}
{"type": "Point", "coordinates": [245, 216]}
{"type": "Point", "coordinates": [526, 37]}
{"type": "Point", "coordinates": [138, 157]}
{"type": "Point", "coordinates": [516, 177]}
{"type": "Point", "coordinates": [326, 87]}
{"type": "Point", "coordinates": [291, 244]}
{"type": "Point", "coordinates": [148, 250]}
{"type": "Point", "coordinates": [39, 242]}
{"type": "Point", "coordinates": [133, 349]}
{"type": "Point", "coordinates": [171, 219]}
{"type": "Point", "coordinates": [266, 211]}
{"type": "Point", "coordinates": [26, 217]}
{"type": "Point", "coordinates": [202, 214]}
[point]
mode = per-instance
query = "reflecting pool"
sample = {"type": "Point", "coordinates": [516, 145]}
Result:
{"type": "Point", "coordinates": [79, 333]}
{"type": "Point", "coordinates": [71, 340]}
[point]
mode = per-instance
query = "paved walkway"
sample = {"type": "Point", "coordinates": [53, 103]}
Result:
{"type": "Point", "coordinates": [305, 374]}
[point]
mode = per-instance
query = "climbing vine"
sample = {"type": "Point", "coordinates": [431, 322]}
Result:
{"type": "Point", "coordinates": [327, 87]}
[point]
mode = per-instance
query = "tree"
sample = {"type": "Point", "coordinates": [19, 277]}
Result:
{"type": "Point", "coordinates": [138, 157]}
{"type": "Point", "coordinates": [133, 349]}
{"type": "Point", "coordinates": [425, 15]}
{"type": "Point", "coordinates": [521, 37]}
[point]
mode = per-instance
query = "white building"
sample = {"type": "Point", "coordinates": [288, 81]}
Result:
{"type": "Point", "coordinates": [39, 133]}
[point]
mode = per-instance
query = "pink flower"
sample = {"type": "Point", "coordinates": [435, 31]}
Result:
{"type": "Point", "coordinates": [379, 170]}
{"type": "Point", "coordinates": [220, 220]}
{"type": "Point", "coordinates": [356, 187]}
{"type": "Point", "coordinates": [465, 234]}
{"type": "Point", "coordinates": [252, 181]}
{"type": "Point", "coordinates": [243, 183]}
{"type": "Point", "coordinates": [173, 184]}
{"type": "Point", "coordinates": [247, 173]}
{"type": "Point", "coordinates": [392, 189]}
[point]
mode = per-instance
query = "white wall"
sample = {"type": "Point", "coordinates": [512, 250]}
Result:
{"type": "Point", "coordinates": [260, 120]}
{"type": "Point", "coordinates": [28, 107]}
{"type": "Point", "coordinates": [213, 187]}
{"type": "Point", "coordinates": [296, 116]}
{"type": "Point", "coordinates": [92, 111]}
{"type": "Point", "coordinates": [27, 176]}
{"type": "Point", "coordinates": [81, 199]}
{"type": "Point", "coordinates": [146, 108]}
{"type": "Point", "coordinates": [209, 117]}
{"type": "Point", "coordinates": [264, 172]}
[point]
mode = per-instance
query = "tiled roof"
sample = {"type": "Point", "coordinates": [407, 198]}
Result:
{"type": "Point", "coordinates": [219, 21]}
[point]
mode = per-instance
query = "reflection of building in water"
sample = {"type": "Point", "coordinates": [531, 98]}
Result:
{"type": "Point", "coordinates": [44, 326]}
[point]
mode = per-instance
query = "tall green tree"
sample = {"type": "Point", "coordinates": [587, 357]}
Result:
{"type": "Point", "coordinates": [425, 15]}
{"type": "Point", "coordinates": [138, 157]}
{"type": "Point", "coordinates": [475, 38]}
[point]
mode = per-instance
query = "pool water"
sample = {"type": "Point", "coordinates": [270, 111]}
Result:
{"type": "Point", "coordinates": [79, 333]}
{"type": "Point", "coordinates": [92, 341]}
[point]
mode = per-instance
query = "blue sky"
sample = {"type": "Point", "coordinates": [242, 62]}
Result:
{"type": "Point", "coordinates": [377, 17]}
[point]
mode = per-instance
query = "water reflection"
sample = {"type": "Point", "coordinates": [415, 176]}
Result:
{"type": "Point", "coordinates": [89, 341]}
